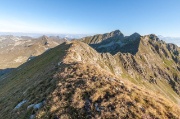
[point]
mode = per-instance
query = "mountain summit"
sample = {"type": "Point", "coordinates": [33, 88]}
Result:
{"type": "Point", "coordinates": [101, 37]}
{"type": "Point", "coordinates": [114, 42]}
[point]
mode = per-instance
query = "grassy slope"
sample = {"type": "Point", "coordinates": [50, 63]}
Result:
{"type": "Point", "coordinates": [30, 80]}
{"type": "Point", "coordinates": [116, 98]}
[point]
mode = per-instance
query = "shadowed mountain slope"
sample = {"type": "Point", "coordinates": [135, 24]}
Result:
{"type": "Point", "coordinates": [114, 42]}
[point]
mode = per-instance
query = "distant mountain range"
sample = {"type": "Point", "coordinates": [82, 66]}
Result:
{"type": "Point", "coordinates": [175, 40]}
{"type": "Point", "coordinates": [15, 50]}
{"type": "Point", "coordinates": [36, 35]}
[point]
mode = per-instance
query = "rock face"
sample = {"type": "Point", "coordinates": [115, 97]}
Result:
{"type": "Point", "coordinates": [76, 81]}
{"type": "Point", "coordinates": [114, 42]}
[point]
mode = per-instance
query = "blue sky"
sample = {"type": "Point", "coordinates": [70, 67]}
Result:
{"type": "Point", "coordinates": [161, 17]}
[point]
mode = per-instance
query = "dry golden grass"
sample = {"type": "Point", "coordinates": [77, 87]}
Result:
{"type": "Point", "coordinates": [116, 100]}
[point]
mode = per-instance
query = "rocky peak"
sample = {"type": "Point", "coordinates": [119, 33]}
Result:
{"type": "Point", "coordinates": [134, 36]}
{"type": "Point", "coordinates": [45, 39]}
{"type": "Point", "coordinates": [115, 42]}
{"type": "Point", "coordinates": [115, 33]}
{"type": "Point", "coordinates": [107, 37]}
{"type": "Point", "coordinates": [171, 46]}
{"type": "Point", "coordinates": [154, 37]}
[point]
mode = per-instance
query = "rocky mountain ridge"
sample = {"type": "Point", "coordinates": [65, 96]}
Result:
{"type": "Point", "coordinates": [143, 59]}
{"type": "Point", "coordinates": [73, 80]}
